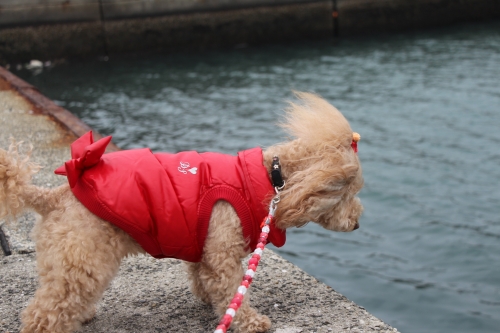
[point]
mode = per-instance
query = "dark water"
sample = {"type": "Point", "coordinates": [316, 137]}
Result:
{"type": "Point", "coordinates": [427, 104]}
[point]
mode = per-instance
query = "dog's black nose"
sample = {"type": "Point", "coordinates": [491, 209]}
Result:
{"type": "Point", "coordinates": [356, 226]}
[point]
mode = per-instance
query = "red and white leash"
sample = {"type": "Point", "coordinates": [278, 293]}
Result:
{"type": "Point", "coordinates": [252, 267]}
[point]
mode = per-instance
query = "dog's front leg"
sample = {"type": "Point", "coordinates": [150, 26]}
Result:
{"type": "Point", "coordinates": [220, 271]}
{"type": "Point", "coordinates": [220, 278]}
{"type": "Point", "coordinates": [197, 287]}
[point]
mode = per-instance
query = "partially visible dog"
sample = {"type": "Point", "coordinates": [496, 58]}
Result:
{"type": "Point", "coordinates": [78, 253]}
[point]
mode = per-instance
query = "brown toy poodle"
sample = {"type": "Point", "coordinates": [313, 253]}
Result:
{"type": "Point", "coordinates": [79, 252]}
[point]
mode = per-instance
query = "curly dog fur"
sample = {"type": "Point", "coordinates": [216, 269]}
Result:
{"type": "Point", "coordinates": [78, 254]}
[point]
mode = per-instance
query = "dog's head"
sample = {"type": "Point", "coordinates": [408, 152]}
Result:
{"type": "Point", "coordinates": [322, 171]}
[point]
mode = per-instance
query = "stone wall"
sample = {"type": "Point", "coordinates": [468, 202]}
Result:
{"type": "Point", "coordinates": [361, 16]}
{"type": "Point", "coordinates": [52, 29]}
{"type": "Point", "coordinates": [35, 12]}
{"type": "Point", "coordinates": [124, 28]}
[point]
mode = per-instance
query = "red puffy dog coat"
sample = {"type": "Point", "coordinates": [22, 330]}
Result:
{"type": "Point", "coordinates": [164, 201]}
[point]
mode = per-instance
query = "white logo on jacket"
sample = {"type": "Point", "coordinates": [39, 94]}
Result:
{"type": "Point", "coordinates": [184, 168]}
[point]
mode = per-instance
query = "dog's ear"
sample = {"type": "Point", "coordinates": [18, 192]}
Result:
{"type": "Point", "coordinates": [351, 171]}
{"type": "Point", "coordinates": [334, 181]}
{"type": "Point", "coordinates": [315, 190]}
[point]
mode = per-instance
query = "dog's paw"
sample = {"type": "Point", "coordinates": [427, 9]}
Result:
{"type": "Point", "coordinates": [89, 315]}
{"type": "Point", "coordinates": [200, 293]}
{"type": "Point", "coordinates": [255, 324]}
{"type": "Point", "coordinates": [205, 298]}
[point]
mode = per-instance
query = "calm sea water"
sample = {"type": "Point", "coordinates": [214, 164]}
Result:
{"type": "Point", "coordinates": [427, 104]}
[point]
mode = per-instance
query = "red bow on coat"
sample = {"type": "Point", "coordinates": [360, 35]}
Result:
{"type": "Point", "coordinates": [85, 153]}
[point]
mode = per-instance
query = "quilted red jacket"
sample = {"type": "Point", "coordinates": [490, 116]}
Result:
{"type": "Point", "coordinates": [164, 201]}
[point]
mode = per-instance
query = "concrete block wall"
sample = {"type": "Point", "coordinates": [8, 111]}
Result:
{"type": "Point", "coordinates": [36, 12]}
{"type": "Point", "coordinates": [153, 25]}
{"type": "Point", "coordinates": [52, 29]}
{"type": "Point", "coordinates": [118, 9]}
{"type": "Point", "coordinates": [359, 16]}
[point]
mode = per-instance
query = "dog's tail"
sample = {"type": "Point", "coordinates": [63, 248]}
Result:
{"type": "Point", "coordinates": [16, 191]}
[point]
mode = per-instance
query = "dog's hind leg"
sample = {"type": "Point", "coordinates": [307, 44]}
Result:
{"type": "Point", "coordinates": [221, 271]}
{"type": "Point", "coordinates": [197, 288]}
{"type": "Point", "coordinates": [77, 256]}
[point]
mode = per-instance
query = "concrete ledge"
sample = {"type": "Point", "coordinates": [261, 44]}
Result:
{"type": "Point", "coordinates": [150, 295]}
{"type": "Point", "coordinates": [41, 104]}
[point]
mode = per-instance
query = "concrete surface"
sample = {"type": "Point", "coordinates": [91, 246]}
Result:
{"type": "Point", "coordinates": [151, 295]}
